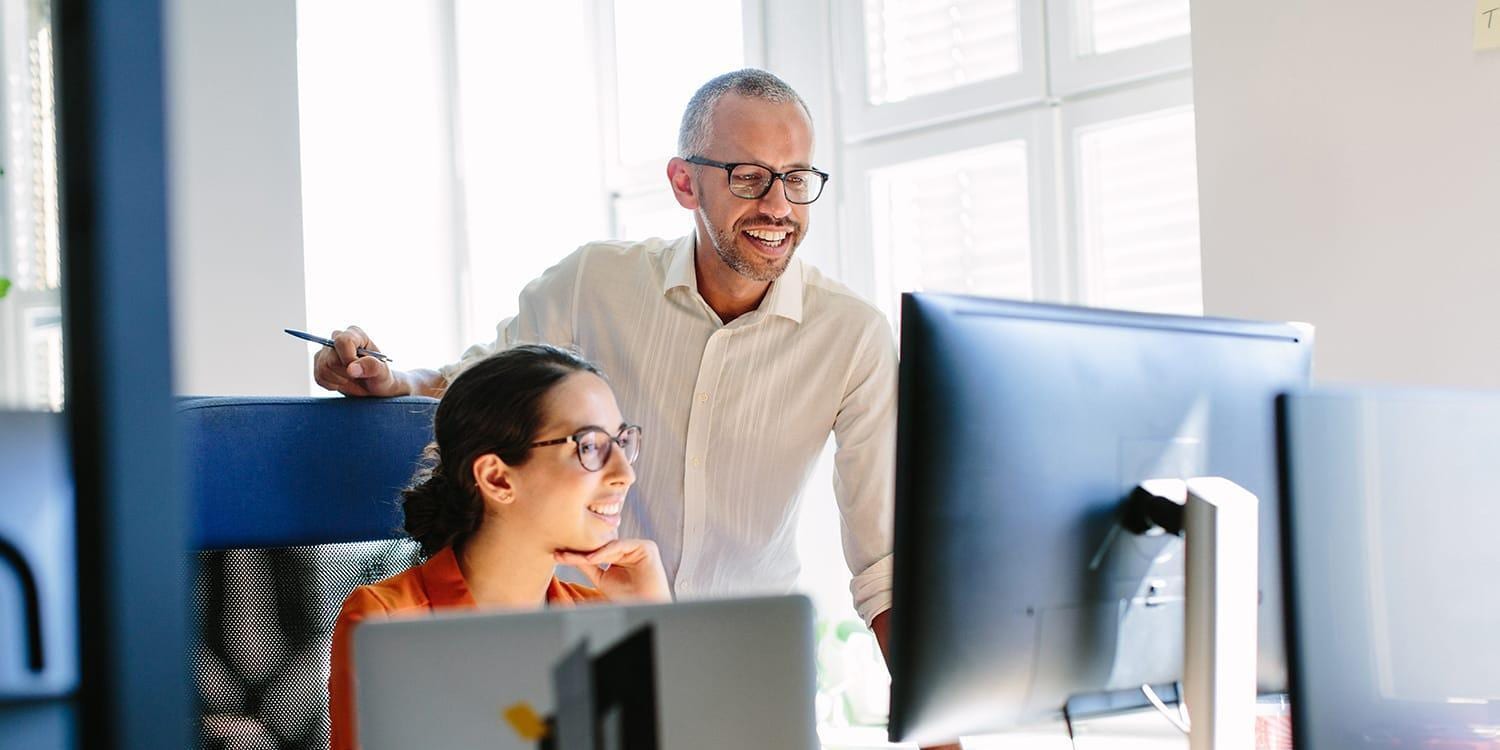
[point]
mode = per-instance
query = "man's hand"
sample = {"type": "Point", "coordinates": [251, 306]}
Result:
{"type": "Point", "coordinates": [342, 369]}
{"type": "Point", "coordinates": [635, 571]}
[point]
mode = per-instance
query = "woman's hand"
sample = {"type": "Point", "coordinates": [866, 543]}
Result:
{"type": "Point", "coordinates": [634, 570]}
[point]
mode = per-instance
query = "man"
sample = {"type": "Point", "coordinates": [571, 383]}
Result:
{"type": "Point", "coordinates": [737, 359]}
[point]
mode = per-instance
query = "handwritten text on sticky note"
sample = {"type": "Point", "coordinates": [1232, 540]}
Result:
{"type": "Point", "coordinates": [1487, 25]}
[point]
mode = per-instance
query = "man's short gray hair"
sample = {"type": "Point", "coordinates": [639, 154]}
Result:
{"type": "Point", "coordinates": [694, 135]}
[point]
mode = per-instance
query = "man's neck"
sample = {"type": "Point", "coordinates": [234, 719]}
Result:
{"type": "Point", "coordinates": [724, 289]}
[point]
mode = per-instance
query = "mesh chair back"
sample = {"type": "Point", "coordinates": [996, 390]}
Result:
{"type": "Point", "coordinates": [295, 505]}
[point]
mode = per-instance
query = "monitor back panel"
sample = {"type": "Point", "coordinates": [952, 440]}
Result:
{"type": "Point", "coordinates": [1021, 429]}
{"type": "Point", "coordinates": [1393, 568]}
{"type": "Point", "coordinates": [729, 674]}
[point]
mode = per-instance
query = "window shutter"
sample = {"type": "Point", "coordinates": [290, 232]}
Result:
{"type": "Point", "coordinates": [916, 47]}
{"type": "Point", "coordinates": [1139, 214]}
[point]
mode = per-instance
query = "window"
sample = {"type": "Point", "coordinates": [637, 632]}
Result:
{"type": "Point", "coordinates": [472, 166]}
{"type": "Point", "coordinates": [646, 89]}
{"type": "Point", "coordinates": [31, 370]}
{"type": "Point", "coordinates": [1106, 26]}
{"type": "Point", "coordinates": [1068, 176]}
{"type": "Point", "coordinates": [1138, 212]}
{"type": "Point", "coordinates": [1028, 149]}
{"type": "Point", "coordinates": [957, 222]}
{"type": "Point", "coordinates": [917, 48]}
{"type": "Point", "coordinates": [529, 150]}
{"type": "Point", "coordinates": [379, 242]}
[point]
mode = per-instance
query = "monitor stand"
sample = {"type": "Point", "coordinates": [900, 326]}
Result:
{"type": "Point", "coordinates": [1220, 532]}
{"type": "Point", "coordinates": [1219, 520]}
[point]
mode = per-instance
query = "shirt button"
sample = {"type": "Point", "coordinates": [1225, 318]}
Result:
{"type": "Point", "coordinates": [702, 397]}
{"type": "Point", "coordinates": [697, 462]}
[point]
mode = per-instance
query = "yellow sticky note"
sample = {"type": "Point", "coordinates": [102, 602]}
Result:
{"type": "Point", "coordinates": [524, 720]}
{"type": "Point", "coordinates": [1487, 25]}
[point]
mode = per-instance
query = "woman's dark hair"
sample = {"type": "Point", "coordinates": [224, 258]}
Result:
{"type": "Point", "coordinates": [494, 406]}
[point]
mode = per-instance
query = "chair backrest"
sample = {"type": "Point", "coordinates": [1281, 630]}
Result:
{"type": "Point", "coordinates": [296, 503]}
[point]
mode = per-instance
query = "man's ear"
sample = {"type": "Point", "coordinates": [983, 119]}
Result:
{"type": "Point", "coordinates": [493, 478]}
{"type": "Point", "coordinates": [680, 175]}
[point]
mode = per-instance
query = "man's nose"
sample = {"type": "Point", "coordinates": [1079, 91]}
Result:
{"type": "Point", "coordinates": [774, 203]}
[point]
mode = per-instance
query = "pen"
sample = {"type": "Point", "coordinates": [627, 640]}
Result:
{"type": "Point", "coordinates": [361, 351]}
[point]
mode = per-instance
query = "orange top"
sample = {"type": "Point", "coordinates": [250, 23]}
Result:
{"type": "Point", "coordinates": [433, 585]}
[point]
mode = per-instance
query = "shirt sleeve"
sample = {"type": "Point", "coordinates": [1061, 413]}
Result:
{"type": "Point", "coordinates": [864, 469]}
{"type": "Point", "coordinates": [546, 314]}
{"type": "Point", "coordinates": [341, 725]}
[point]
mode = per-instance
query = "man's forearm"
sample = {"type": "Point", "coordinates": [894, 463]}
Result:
{"type": "Point", "coordinates": [424, 383]}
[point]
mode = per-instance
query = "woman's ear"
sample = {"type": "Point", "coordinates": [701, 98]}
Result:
{"type": "Point", "coordinates": [493, 478]}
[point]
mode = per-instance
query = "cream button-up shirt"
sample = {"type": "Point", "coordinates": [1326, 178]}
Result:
{"type": "Point", "coordinates": [734, 416]}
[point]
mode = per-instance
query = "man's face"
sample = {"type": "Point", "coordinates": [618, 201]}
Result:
{"type": "Point", "coordinates": [755, 238]}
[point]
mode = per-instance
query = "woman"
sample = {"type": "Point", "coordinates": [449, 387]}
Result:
{"type": "Point", "coordinates": [532, 463]}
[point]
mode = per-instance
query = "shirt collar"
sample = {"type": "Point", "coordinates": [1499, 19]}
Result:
{"type": "Point", "coordinates": [784, 297]}
{"type": "Point", "coordinates": [680, 270]}
{"type": "Point", "coordinates": [445, 582]}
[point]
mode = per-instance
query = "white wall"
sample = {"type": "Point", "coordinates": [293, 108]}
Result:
{"type": "Point", "coordinates": [236, 197]}
{"type": "Point", "coordinates": [1349, 176]}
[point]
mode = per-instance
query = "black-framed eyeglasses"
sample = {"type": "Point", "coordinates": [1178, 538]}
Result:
{"type": "Point", "coordinates": [594, 445]}
{"type": "Point", "coordinates": [752, 181]}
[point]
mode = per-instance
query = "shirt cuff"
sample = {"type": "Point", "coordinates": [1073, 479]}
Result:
{"type": "Point", "coordinates": [872, 589]}
{"type": "Point", "coordinates": [470, 356]}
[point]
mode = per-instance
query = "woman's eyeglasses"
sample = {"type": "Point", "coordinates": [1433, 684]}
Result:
{"type": "Point", "coordinates": [594, 445]}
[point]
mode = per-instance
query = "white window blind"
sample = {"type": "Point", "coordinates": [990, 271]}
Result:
{"type": "Point", "coordinates": [39, 257]}
{"type": "Point", "coordinates": [652, 84]}
{"type": "Point", "coordinates": [31, 377]}
{"type": "Point", "coordinates": [1138, 218]}
{"type": "Point", "coordinates": [1106, 26]}
{"type": "Point", "coordinates": [955, 223]}
{"type": "Point", "coordinates": [529, 172]}
{"type": "Point", "coordinates": [376, 179]}
{"type": "Point", "coordinates": [916, 47]}
{"type": "Point", "coordinates": [654, 81]}
{"type": "Point", "coordinates": [44, 355]}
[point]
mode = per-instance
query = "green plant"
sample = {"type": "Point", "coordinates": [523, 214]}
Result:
{"type": "Point", "coordinates": [4, 287]}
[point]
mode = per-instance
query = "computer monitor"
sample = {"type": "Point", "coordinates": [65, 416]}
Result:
{"type": "Point", "coordinates": [726, 674]}
{"type": "Point", "coordinates": [38, 569]}
{"type": "Point", "coordinates": [1021, 429]}
{"type": "Point", "coordinates": [1392, 516]}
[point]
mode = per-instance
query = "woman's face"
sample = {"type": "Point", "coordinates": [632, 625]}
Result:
{"type": "Point", "coordinates": [566, 505]}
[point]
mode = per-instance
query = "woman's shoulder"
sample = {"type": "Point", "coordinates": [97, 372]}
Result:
{"type": "Point", "coordinates": [402, 591]}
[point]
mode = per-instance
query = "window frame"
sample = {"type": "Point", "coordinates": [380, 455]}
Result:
{"type": "Point", "coordinates": [1083, 93]}
{"type": "Point", "coordinates": [1075, 118]}
{"type": "Point", "coordinates": [22, 303]}
{"type": "Point", "coordinates": [631, 179]}
{"type": "Point", "coordinates": [865, 270]}
{"type": "Point", "coordinates": [862, 120]}
{"type": "Point", "coordinates": [1073, 75]}
{"type": "Point", "coordinates": [17, 312]}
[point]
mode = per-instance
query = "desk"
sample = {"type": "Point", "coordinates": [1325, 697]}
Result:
{"type": "Point", "coordinates": [1139, 730]}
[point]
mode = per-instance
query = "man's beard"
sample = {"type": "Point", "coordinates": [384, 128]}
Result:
{"type": "Point", "coordinates": [727, 245]}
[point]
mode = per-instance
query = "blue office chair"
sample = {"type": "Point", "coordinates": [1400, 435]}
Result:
{"type": "Point", "coordinates": [296, 503]}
